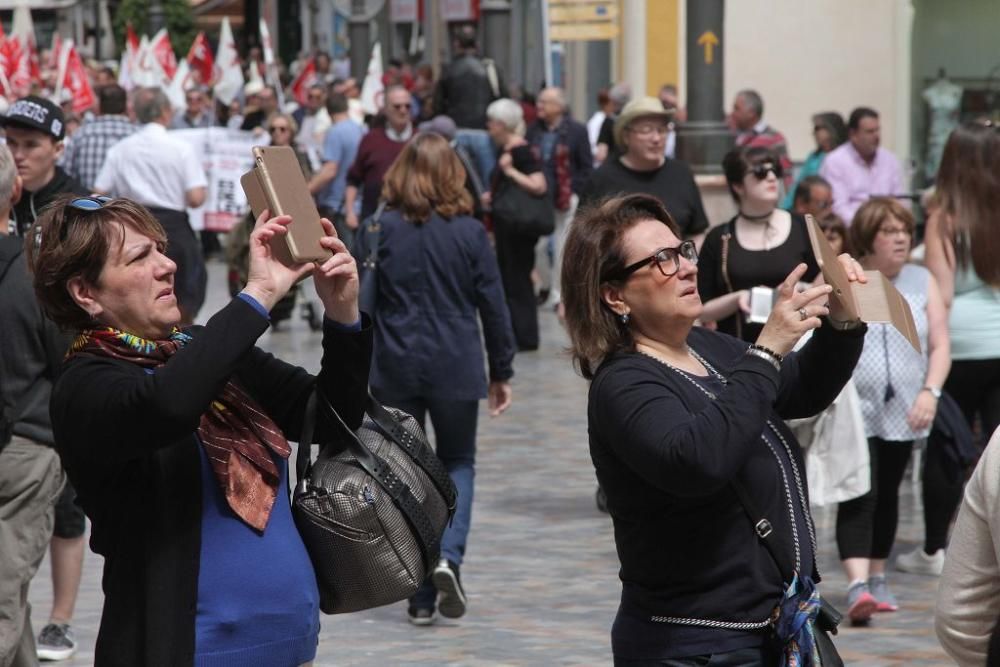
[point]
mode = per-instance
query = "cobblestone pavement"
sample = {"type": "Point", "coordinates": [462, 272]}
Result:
{"type": "Point", "coordinates": [541, 569]}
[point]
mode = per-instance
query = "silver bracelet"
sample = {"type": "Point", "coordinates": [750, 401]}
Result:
{"type": "Point", "coordinates": [757, 352]}
{"type": "Point", "coordinates": [847, 325]}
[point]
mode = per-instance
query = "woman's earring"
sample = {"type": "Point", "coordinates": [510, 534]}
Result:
{"type": "Point", "coordinates": [624, 317]}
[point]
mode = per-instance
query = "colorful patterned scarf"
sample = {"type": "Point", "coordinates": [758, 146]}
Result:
{"type": "Point", "coordinates": [237, 435]}
{"type": "Point", "coordinates": [794, 626]}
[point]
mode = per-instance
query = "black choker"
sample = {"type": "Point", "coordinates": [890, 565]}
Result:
{"type": "Point", "coordinates": [757, 218]}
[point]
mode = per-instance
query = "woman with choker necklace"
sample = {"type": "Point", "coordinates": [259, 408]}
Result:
{"type": "Point", "coordinates": [757, 248]}
{"type": "Point", "coordinates": [705, 483]}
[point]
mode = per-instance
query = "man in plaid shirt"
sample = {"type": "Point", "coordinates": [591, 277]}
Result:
{"type": "Point", "coordinates": [751, 130]}
{"type": "Point", "coordinates": [87, 149]}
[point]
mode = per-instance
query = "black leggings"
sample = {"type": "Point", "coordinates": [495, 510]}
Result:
{"type": "Point", "coordinates": [866, 526]}
{"type": "Point", "coordinates": [975, 386]}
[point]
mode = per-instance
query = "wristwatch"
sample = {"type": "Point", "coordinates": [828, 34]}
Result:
{"type": "Point", "coordinates": [935, 391]}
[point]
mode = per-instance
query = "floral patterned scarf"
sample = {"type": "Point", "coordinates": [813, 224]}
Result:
{"type": "Point", "coordinates": [237, 435]}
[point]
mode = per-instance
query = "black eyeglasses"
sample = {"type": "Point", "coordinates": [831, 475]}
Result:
{"type": "Point", "coordinates": [667, 260]}
{"type": "Point", "coordinates": [401, 107]}
{"type": "Point", "coordinates": [760, 170]}
{"type": "Point", "coordinates": [90, 203]}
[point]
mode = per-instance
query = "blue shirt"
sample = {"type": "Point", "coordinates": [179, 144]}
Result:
{"type": "Point", "coordinates": [258, 601]}
{"type": "Point", "coordinates": [340, 146]}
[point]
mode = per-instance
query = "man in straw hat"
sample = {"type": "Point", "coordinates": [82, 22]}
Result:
{"type": "Point", "coordinates": [641, 132]}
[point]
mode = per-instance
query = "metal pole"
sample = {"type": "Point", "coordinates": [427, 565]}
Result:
{"type": "Point", "coordinates": [97, 30]}
{"type": "Point", "coordinates": [358, 34]}
{"type": "Point", "coordinates": [546, 44]}
{"type": "Point", "coordinates": [435, 35]}
{"type": "Point", "coordinates": [705, 138]}
{"type": "Point", "coordinates": [157, 19]}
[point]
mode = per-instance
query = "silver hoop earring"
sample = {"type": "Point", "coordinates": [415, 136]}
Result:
{"type": "Point", "coordinates": [624, 317]}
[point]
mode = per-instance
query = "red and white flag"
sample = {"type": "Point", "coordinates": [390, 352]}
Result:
{"type": "Point", "coordinates": [23, 61]}
{"type": "Point", "coordinates": [127, 65]}
{"type": "Point", "coordinates": [200, 58]}
{"type": "Point", "coordinates": [53, 60]}
{"type": "Point", "coordinates": [229, 74]}
{"type": "Point", "coordinates": [73, 77]}
{"type": "Point", "coordinates": [302, 82]}
{"type": "Point", "coordinates": [163, 52]}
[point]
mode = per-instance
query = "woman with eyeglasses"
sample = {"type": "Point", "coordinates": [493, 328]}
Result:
{"type": "Point", "coordinates": [755, 249]}
{"type": "Point", "coordinates": [685, 424]}
{"type": "Point", "coordinates": [829, 131]}
{"type": "Point", "coordinates": [899, 389]}
{"type": "Point", "coordinates": [177, 440]}
{"type": "Point", "coordinates": [282, 128]}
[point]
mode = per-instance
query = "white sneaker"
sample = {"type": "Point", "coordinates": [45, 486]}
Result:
{"type": "Point", "coordinates": [917, 562]}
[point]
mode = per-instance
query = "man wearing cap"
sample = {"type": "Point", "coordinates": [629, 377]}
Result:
{"type": "Point", "coordinates": [163, 174]}
{"type": "Point", "coordinates": [641, 131]}
{"type": "Point", "coordinates": [35, 129]}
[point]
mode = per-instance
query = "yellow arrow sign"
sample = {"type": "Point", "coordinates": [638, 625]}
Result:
{"type": "Point", "coordinates": [709, 41]}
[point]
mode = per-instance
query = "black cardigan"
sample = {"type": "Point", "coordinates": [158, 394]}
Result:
{"type": "Point", "coordinates": [127, 441]}
{"type": "Point", "coordinates": [666, 453]}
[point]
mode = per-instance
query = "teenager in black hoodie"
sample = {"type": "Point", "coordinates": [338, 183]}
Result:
{"type": "Point", "coordinates": [35, 129]}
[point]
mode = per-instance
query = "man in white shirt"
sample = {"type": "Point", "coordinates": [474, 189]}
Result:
{"type": "Point", "coordinates": [165, 175]}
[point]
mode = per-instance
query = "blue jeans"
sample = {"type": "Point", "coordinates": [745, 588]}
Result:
{"type": "Point", "coordinates": [455, 443]}
{"type": "Point", "coordinates": [480, 147]}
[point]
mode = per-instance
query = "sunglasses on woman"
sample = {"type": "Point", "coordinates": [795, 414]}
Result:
{"type": "Point", "coordinates": [91, 203]}
{"type": "Point", "coordinates": [761, 170]}
{"type": "Point", "coordinates": [667, 260]}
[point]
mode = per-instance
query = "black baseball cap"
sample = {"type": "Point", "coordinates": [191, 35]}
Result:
{"type": "Point", "coordinates": [36, 113]}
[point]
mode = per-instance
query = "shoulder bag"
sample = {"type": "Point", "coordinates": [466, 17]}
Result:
{"type": "Point", "coordinates": [371, 508]}
{"type": "Point", "coordinates": [517, 211]}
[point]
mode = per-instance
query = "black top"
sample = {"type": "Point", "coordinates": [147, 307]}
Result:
{"type": "Point", "coordinates": [666, 454]}
{"type": "Point", "coordinates": [464, 91]}
{"type": "Point", "coordinates": [524, 160]}
{"type": "Point", "coordinates": [127, 441]}
{"type": "Point", "coordinates": [606, 135]}
{"type": "Point", "coordinates": [31, 347]}
{"type": "Point", "coordinates": [673, 184]}
{"type": "Point", "coordinates": [751, 268]}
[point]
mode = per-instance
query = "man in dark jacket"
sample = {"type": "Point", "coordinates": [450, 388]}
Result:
{"type": "Point", "coordinates": [35, 129]}
{"type": "Point", "coordinates": [469, 84]}
{"type": "Point", "coordinates": [564, 148]}
{"type": "Point", "coordinates": [31, 476]}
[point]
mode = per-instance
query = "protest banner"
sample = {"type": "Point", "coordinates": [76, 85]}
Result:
{"type": "Point", "coordinates": [226, 155]}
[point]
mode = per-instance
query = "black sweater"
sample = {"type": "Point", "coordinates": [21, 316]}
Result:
{"type": "Point", "coordinates": [666, 453]}
{"type": "Point", "coordinates": [127, 441]}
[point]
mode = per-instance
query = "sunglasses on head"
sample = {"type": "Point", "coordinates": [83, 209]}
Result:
{"type": "Point", "coordinates": [91, 203]}
{"type": "Point", "coordinates": [760, 170]}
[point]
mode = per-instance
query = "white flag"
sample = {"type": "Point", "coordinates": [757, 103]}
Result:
{"type": "Point", "coordinates": [181, 82]}
{"type": "Point", "coordinates": [229, 81]}
{"type": "Point", "coordinates": [373, 91]}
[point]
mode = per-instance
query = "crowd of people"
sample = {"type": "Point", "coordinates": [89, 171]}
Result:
{"type": "Point", "coordinates": [477, 207]}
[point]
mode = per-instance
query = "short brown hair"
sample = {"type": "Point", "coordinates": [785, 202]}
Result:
{"type": "Point", "coordinates": [66, 243]}
{"type": "Point", "coordinates": [869, 219]}
{"type": "Point", "coordinates": [594, 248]}
{"type": "Point", "coordinates": [427, 176]}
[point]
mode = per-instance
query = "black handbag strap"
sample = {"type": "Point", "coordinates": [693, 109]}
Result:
{"type": "Point", "coordinates": [376, 467]}
{"type": "Point", "coordinates": [391, 428]}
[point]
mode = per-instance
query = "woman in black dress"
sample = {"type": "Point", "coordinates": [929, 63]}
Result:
{"type": "Point", "coordinates": [757, 248]}
{"type": "Point", "coordinates": [517, 166]}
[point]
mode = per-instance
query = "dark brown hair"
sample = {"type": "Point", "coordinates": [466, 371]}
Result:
{"type": "Point", "coordinates": [66, 243]}
{"type": "Point", "coordinates": [968, 185]}
{"type": "Point", "coordinates": [594, 248]}
{"type": "Point", "coordinates": [870, 218]}
{"type": "Point", "coordinates": [832, 223]}
{"type": "Point", "coordinates": [738, 162]}
{"type": "Point", "coordinates": [427, 176]}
